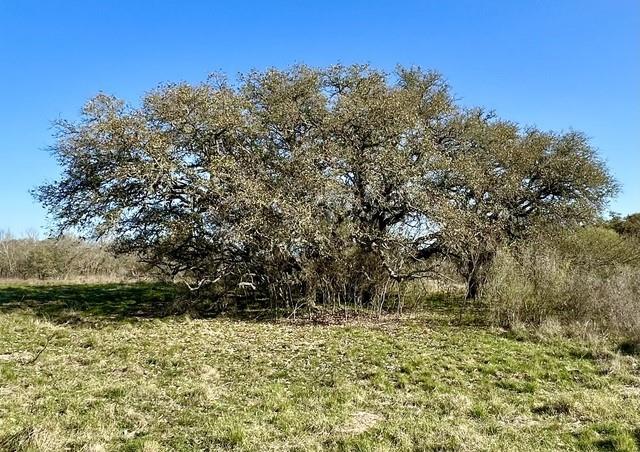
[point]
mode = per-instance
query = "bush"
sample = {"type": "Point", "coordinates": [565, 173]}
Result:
{"type": "Point", "coordinates": [590, 276]}
{"type": "Point", "coordinates": [62, 258]}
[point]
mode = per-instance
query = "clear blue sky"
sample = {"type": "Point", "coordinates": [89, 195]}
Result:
{"type": "Point", "coordinates": [554, 64]}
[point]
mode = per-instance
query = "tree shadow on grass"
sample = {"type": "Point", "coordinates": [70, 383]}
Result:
{"type": "Point", "coordinates": [69, 302]}
{"type": "Point", "coordinates": [86, 304]}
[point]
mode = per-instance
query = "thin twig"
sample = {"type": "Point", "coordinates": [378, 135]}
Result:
{"type": "Point", "coordinates": [42, 349]}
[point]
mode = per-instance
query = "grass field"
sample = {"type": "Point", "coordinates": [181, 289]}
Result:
{"type": "Point", "coordinates": [89, 367]}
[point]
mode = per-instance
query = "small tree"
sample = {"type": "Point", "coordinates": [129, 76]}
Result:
{"type": "Point", "coordinates": [503, 183]}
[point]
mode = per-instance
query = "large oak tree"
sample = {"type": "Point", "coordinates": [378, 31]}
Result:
{"type": "Point", "coordinates": [307, 182]}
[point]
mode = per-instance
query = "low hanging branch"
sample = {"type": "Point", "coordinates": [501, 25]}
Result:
{"type": "Point", "coordinates": [200, 283]}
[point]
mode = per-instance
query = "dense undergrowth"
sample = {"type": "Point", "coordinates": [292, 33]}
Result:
{"type": "Point", "coordinates": [589, 277]}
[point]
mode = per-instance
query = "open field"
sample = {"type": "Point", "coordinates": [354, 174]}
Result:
{"type": "Point", "coordinates": [89, 367]}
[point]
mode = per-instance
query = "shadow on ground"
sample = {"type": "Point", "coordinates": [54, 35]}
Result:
{"type": "Point", "coordinates": [114, 301]}
{"type": "Point", "coordinates": [86, 303]}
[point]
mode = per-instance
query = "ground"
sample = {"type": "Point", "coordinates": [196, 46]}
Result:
{"type": "Point", "coordinates": [93, 367]}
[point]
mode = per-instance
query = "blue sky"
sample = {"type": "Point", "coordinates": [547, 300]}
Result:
{"type": "Point", "coordinates": [554, 64]}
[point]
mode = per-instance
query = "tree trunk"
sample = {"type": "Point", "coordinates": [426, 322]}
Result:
{"type": "Point", "coordinates": [474, 284]}
{"type": "Point", "coordinates": [475, 274]}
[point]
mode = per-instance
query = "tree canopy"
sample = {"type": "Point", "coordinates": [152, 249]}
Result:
{"type": "Point", "coordinates": [316, 183]}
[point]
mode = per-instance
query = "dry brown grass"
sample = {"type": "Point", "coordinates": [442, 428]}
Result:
{"type": "Point", "coordinates": [543, 286]}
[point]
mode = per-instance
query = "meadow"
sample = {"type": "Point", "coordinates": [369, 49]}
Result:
{"type": "Point", "coordinates": [99, 367]}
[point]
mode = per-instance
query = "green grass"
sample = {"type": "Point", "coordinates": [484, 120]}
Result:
{"type": "Point", "coordinates": [113, 376]}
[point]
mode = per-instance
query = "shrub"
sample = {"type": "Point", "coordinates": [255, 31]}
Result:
{"type": "Point", "coordinates": [62, 258]}
{"type": "Point", "coordinates": [591, 275]}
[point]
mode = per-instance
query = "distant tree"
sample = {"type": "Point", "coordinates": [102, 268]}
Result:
{"type": "Point", "coordinates": [629, 225]}
{"type": "Point", "coordinates": [8, 256]}
{"type": "Point", "coordinates": [312, 183]}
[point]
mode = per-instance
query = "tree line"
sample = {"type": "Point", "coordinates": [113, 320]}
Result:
{"type": "Point", "coordinates": [314, 184]}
